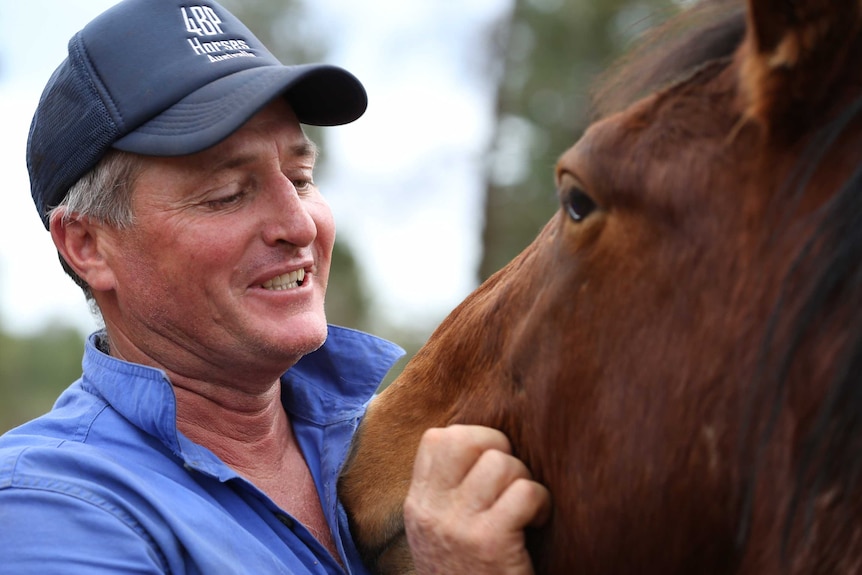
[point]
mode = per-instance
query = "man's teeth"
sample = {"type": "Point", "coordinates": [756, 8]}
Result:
{"type": "Point", "coordinates": [285, 281]}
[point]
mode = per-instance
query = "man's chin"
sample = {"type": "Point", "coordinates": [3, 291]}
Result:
{"type": "Point", "coordinates": [301, 336]}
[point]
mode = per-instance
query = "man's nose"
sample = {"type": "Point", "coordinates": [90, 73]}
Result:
{"type": "Point", "coordinates": [287, 216]}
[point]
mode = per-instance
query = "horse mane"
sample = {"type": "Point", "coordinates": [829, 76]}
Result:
{"type": "Point", "coordinates": [826, 276]}
{"type": "Point", "coordinates": [669, 53]}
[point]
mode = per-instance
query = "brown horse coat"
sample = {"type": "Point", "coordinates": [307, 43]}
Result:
{"type": "Point", "coordinates": [677, 356]}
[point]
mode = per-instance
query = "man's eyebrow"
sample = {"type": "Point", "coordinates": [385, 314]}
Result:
{"type": "Point", "coordinates": [306, 149]}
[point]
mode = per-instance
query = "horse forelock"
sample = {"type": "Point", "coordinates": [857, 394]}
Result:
{"type": "Point", "coordinates": [670, 53]}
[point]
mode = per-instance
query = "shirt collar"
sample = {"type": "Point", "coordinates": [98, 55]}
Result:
{"type": "Point", "coordinates": [331, 383]}
{"type": "Point", "coordinates": [323, 387]}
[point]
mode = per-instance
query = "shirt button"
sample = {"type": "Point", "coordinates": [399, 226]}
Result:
{"type": "Point", "coordinates": [285, 519]}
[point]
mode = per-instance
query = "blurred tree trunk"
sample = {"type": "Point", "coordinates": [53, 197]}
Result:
{"type": "Point", "coordinates": [551, 50]}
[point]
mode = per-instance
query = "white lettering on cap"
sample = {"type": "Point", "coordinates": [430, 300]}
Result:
{"type": "Point", "coordinates": [203, 21]}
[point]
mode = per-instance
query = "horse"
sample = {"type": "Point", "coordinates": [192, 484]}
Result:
{"type": "Point", "coordinates": [677, 355]}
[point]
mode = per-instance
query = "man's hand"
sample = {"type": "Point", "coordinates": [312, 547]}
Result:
{"type": "Point", "coordinates": [469, 502]}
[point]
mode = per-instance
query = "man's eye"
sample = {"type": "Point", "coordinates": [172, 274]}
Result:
{"type": "Point", "coordinates": [302, 185]}
{"type": "Point", "coordinates": [225, 201]}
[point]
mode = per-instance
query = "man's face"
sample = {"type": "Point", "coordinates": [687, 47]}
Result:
{"type": "Point", "coordinates": [226, 265]}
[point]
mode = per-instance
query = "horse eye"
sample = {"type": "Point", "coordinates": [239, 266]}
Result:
{"type": "Point", "coordinates": [578, 204]}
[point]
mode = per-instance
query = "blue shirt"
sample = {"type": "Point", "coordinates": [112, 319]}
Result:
{"type": "Point", "coordinates": [105, 483]}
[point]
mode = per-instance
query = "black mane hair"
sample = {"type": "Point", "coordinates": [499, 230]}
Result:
{"type": "Point", "coordinates": [826, 278]}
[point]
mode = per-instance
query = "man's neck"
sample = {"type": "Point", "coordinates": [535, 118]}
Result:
{"type": "Point", "coordinates": [254, 437]}
{"type": "Point", "coordinates": [249, 432]}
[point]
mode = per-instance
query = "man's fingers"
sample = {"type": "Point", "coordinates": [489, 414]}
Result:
{"type": "Point", "coordinates": [490, 477]}
{"type": "Point", "coordinates": [525, 503]}
{"type": "Point", "coordinates": [444, 467]}
{"type": "Point", "coordinates": [482, 474]}
{"type": "Point", "coordinates": [469, 502]}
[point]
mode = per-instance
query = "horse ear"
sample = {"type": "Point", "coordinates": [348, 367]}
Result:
{"type": "Point", "coordinates": [792, 57]}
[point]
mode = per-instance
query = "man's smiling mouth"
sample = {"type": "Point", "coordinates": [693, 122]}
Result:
{"type": "Point", "coordinates": [289, 280]}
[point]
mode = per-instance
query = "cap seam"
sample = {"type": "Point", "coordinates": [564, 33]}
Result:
{"type": "Point", "coordinates": [100, 88]}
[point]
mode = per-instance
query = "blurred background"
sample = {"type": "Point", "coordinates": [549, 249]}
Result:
{"type": "Point", "coordinates": [446, 177]}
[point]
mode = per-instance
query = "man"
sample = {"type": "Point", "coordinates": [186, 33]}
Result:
{"type": "Point", "coordinates": [168, 162]}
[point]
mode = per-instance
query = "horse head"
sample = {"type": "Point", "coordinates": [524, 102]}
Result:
{"type": "Point", "coordinates": [677, 354]}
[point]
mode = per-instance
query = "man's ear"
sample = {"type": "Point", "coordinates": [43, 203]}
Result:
{"type": "Point", "coordinates": [81, 243]}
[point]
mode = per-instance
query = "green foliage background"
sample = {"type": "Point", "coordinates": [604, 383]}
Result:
{"type": "Point", "coordinates": [34, 369]}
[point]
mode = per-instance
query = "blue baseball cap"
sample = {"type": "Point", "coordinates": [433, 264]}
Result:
{"type": "Point", "coordinates": [167, 78]}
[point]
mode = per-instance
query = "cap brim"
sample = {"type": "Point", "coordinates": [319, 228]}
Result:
{"type": "Point", "coordinates": [320, 95]}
